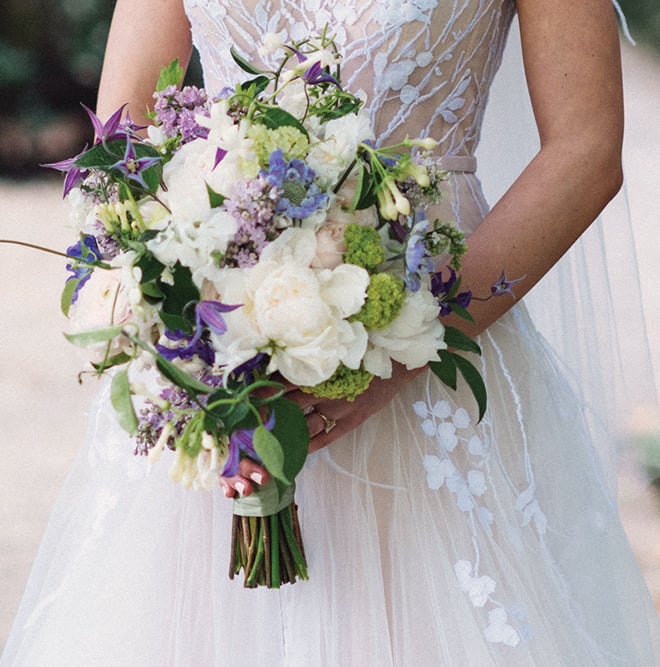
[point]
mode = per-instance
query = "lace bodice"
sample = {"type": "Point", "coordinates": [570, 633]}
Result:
{"type": "Point", "coordinates": [425, 65]}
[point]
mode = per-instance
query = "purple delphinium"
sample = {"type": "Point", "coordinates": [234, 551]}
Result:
{"type": "Point", "coordinates": [254, 209]}
{"type": "Point", "coordinates": [300, 195]}
{"type": "Point", "coordinates": [176, 110]}
{"type": "Point", "coordinates": [85, 251]}
{"type": "Point", "coordinates": [418, 259]}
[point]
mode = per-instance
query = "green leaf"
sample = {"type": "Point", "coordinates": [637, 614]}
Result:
{"type": "Point", "coordinates": [243, 63]}
{"type": "Point", "coordinates": [116, 360]}
{"type": "Point", "coordinates": [292, 431]}
{"type": "Point", "coordinates": [254, 87]}
{"type": "Point", "coordinates": [461, 312]}
{"type": "Point", "coordinates": [215, 198]}
{"type": "Point", "coordinates": [152, 290]}
{"type": "Point", "coordinates": [276, 117]}
{"type": "Point", "coordinates": [270, 451]}
{"type": "Point", "coordinates": [120, 397]}
{"type": "Point", "coordinates": [181, 293]}
{"type": "Point", "coordinates": [174, 322]}
{"type": "Point", "coordinates": [365, 190]}
{"type": "Point", "coordinates": [474, 380]}
{"type": "Point", "coordinates": [457, 340]}
{"type": "Point", "coordinates": [95, 336]}
{"type": "Point", "coordinates": [172, 75]}
{"type": "Point", "coordinates": [180, 378]}
{"type": "Point", "coordinates": [445, 369]}
{"type": "Point", "coordinates": [67, 295]}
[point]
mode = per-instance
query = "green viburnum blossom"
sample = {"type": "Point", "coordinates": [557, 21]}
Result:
{"type": "Point", "coordinates": [292, 142]}
{"type": "Point", "coordinates": [363, 247]}
{"type": "Point", "coordinates": [385, 296]}
{"type": "Point", "coordinates": [347, 383]}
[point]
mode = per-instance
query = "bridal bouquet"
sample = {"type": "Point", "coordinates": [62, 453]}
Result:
{"type": "Point", "coordinates": [250, 236]}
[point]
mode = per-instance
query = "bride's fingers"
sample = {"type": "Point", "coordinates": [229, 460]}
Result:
{"type": "Point", "coordinates": [250, 475]}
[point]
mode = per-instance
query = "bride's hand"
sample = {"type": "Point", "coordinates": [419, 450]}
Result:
{"type": "Point", "coordinates": [329, 419]}
{"type": "Point", "coordinates": [250, 475]}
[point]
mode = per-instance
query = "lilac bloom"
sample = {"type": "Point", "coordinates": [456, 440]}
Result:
{"type": "Point", "coordinates": [503, 286]}
{"type": "Point", "coordinates": [243, 441]}
{"type": "Point", "coordinates": [88, 252]}
{"type": "Point", "coordinates": [132, 166]}
{"type": "Point", "coordinates": [441, 288]}
{"type": "Point", "coordinates": [300, 195]}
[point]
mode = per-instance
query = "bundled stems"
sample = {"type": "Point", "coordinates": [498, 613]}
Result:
{"type": "Point", "coordinates": [268, 549]}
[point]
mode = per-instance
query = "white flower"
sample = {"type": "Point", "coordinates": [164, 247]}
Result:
{"type": "Point", "coordinates": [412, 339]}
{"type": "Point", "coordinates": [331, 156]}
{"type": "Point", "coordinates": [295, 313]}
{"type": "Point", "coordinates": [477, 588]}
{"type": "Point", "coordinates": [272, 42]}
{"type": "Point", "coordinates": [438, 471]}
{"type": "Point", "coordinates": [499, 631]}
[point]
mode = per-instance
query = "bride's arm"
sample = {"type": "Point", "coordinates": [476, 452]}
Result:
{"type": "Point", "coordinates": [572, 62]}
{"type": "Point", "coordinates": [571, 53]}
{"type": "Point", "coordinates": [145, 35]}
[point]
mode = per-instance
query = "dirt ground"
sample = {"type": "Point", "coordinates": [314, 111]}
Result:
{"type": "Point", "coordinates": [42, 411]}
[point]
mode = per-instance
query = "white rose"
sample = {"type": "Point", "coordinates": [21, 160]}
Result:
{"type": "Point", "coordinates": [412, 339]}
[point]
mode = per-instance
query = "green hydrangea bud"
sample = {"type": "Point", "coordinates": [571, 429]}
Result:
{"type": "Point", "coordinates": [385, 296]}
{"type": "Point", "coordinates": [363, 247]}
{"type": "Point", "coordinates": [346, 383]}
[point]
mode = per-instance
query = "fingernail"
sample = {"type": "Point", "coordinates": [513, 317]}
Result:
{"type": "Point", "coordinates": [240, 487]}
{"type": "Point", "coordinates": [256, 477]}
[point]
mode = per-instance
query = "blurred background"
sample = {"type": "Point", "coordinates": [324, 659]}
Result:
{"type": "Point", "coordinates": [50, 59]}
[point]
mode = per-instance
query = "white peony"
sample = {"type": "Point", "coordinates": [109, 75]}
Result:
{"type": "Point", "coordinates": [331, 156]}
{"type": "Point", "coordinates": [293, 312]}
{"type": "Point", "coordinates": [412, 339]}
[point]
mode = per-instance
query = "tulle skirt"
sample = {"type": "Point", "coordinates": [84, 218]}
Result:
{"type": "Point", "coordinates": [430, 541]}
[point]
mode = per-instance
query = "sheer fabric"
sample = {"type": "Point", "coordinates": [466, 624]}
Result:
{"type": "Point", "coordinates": [431, 540]}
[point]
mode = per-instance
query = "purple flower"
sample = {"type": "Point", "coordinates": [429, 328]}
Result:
{"type": "Point", "coordinates": [132, 166]}
{"type": "Point", "coordinates": [300, 195]}
{"type": "Point", "coordinates": [418, 259]}
{"type": "Point", "coordinates": [74, 175]}
{"type": "Point", "coordinates": [243, 441]}
{"type": "Point", "coordinates": [314, 74]}
{"type": "Point", "coordinates": [108, 131]}
{"type": "Point", "coordinates": [176, 112]}
{"type": "Point", "coordinates": [441, 290]}
{"type": "Point", "coordinates": [87, 251]}
{"type": "Point", "coordinates": [208, 316]}
{"type": "Point", "coordinates": [503, 286]}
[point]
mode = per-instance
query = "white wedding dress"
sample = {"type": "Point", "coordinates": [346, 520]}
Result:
{"type": "Point", "coordinates": [430, 540]}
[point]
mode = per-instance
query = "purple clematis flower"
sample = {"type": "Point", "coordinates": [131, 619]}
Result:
{"type": "Point", "coordinates": [503, 286]}
{"type": "Point", "coordinates": [440, 289]}
{"type": "Point", "coordinates": [74, 175]}
{"type": "Point", "coordinates": [314, 74]}
{"type": "Point", "coordinates": [243, 441]}
{"type": "Point", "coordinates": [300, 195]}
{"type": "Point", "coordinates": [108, 131]}
{"type": "Point", "coordinates": [208, 315]}
{"type": "Point", "coordinates": [132, 166]}
{"type": "Point", "coordinates": [88, 251]}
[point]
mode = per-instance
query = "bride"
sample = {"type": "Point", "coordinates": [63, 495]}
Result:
{"type": "Point", "coordinates": [431, 540]}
